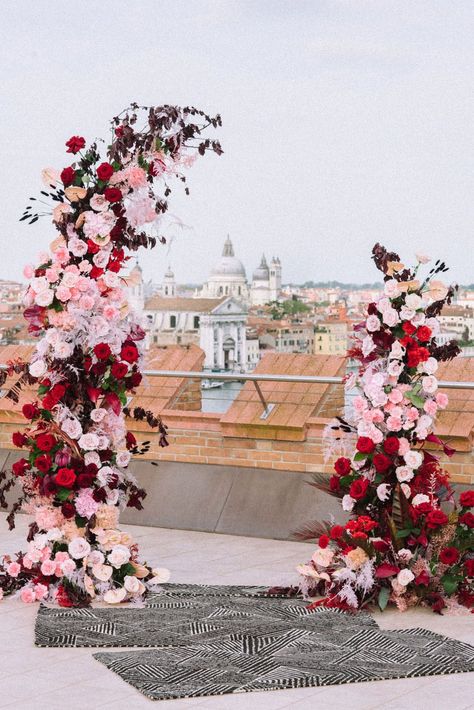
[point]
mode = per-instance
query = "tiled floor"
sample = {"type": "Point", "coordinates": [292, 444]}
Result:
{"type": "Point", "coordinates": [52, 679]}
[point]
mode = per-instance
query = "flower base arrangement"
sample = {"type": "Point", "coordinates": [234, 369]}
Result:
{"type": "Point", "coordinates": [74, 475]}
{"type": "Point", "coordinates": [407, 541]}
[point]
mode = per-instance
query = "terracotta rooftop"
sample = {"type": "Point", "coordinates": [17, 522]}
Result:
{"type": "Point", "coordinates": [458, 419]}
{"type": "Point", "coordinates": [192, 305]}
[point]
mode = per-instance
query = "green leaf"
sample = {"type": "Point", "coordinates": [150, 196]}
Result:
{"type": "Point", "coordinates": [450, 584]}
{"type": "Point", "coordinates": [383, 598]}
{"type": "Point", "coordinates": [407, 531]}
{"type": "Point", "coordinates": [80, 521]}
{"type": "Point", "coordinates": [63, 494]}
{"type": "Point", "coordinates": [359, 456]}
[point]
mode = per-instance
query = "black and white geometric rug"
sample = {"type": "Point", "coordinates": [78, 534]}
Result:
{"type": "Point", "coordinates": [213, 641]}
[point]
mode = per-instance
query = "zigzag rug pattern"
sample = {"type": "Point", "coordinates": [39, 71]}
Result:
{"type": "Point", "coordinates": [218, 640]}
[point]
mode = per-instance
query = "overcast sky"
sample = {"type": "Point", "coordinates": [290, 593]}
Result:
{"type": "Point", "coordinates": [345, 122]}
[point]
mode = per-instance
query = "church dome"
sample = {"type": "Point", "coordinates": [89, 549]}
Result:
{"type": "Point", "coordinates": [228, 265]}
{"type": "Point", "coordinates": [262, 273]}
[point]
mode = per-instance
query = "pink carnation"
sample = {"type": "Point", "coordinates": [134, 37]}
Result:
{"type": "Point", "coordinates": [136, 177]}
{"type": "Point", "coordinates": [13, 569]}
{"type": "Point", "coordinates": [27, 595]}
{"type": "Point", "coordinates": [48, 568]}
{"type": "Point", "coordinates": [41, 591]}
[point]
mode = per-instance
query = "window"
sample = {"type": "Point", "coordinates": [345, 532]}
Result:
{"type": "Point", "coordinates": [196, 322]}
{"type": "Point", "coordinates": [172, 321]}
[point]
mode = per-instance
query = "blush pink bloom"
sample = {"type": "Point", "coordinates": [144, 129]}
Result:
{"type": "Point", "coordinates": [442, 400]}
{"type": "Point", "coordinates": [41, 591]}
{"type": "Point", "coordinates": [48, 567]}
{"type": "Point", "coordinates": [28, 271]}
{"type": "Point", "coordinates": [13, 569]}
{"type": "Point", "coordinates": [61, 255]}
{"type": "Point", "coordinates": [27, 595]}
{"type": "Point", "coordinates": [63, 293]}
{"type": "Point", "coordinates": [86, 303]}
{"type": "Point", "coordinates": [135, 176]}
{"type": "Point", "coordinates": [394, 423]}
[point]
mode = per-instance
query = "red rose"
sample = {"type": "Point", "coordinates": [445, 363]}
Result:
{"type": "Point", "coordinates": [74, 144]}
{"type": "Point", "coordinates": [436, 518]}
{"type": "Point", "coordinates": [119, 370]}
{"type": "Point", "coordinates": [45, 442]}
{"type": "Point", "coordinates": [408, 328]}
{"type": "Point", "coordinates": [391, 445]}
{"type": "Point", "coordinates": [69, 511]}
{"type": "Point", "coordinates": [423, 579]}
{"type": "Point", "coordinates": [113, 194]}
{"type": "Point", "coordinates": [29, 411]}
{"type": "Point", "coordinates": [365, 445]}
{"type": "Point", "coordinates": [469, 567]}
{"type": "Point", "coordinates": [129, 353]}
{"type": "Point", "coordinates": [20, 466]}
{"type": "Point", "coordinates": [65, 477]}
{"type": "Point", "coordinates": [323, 541]}
{"type": "Point", "coordinates": [68, 176]}
{"type": "Point", "coordinates": [19, 439]}
{"type": "Point", "coordinates": [342, 466]}
{"type": "Point", "coordinates": [413, 358]}
{"type": "Point", "coordinates": [466, 499]}
{"type": "Point", "coordinates": [92, 247]}
{"type": "Point", "coordinates": [334, 484]}
{"type": "Point", "coordinates": [467, 519]}
{"type": "Point", "coordinates": [102, 351]}
{"type": "Point", "coordinates": [43, 463]}
{"type": "Point", "coordinates": [423, 333]}
{"type": "Point", "coordinates": [105, 171]}
{"type": "Point", "coordinates": [358, 488]}
{"type": "Point", "coordinates": [336, 532]}
{"type": "Point", "coordinates": [449, 555]}
{"type": "Point", "coordinates": [381, 462]}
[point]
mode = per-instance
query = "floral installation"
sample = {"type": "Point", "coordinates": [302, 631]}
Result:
{"type": "Point", "coordinates": [407, 541]}
{"type": "Point", "coordinates": [74, 475]}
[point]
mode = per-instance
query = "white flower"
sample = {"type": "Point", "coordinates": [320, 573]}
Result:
{"type": "Point", "coordinates": [391, 288]}
{"type": "Point", "coordinates": [37, 368]}
{"type": "Point", "coordinates": [102, 572]}
{"type": "Point", "coordinates": [406, 313]}
{"type": "Point", "coordinates": [413, 459]}
{"type": "Point", "coordinates": [79, 548]}
{"type": "Point", "coordinates": [430, 366]}
{"type": "Point", "coordinates": [372, 324]}
{"type": "Point", "coordinates": [404, 555]}
{"type": "Point", "coordinates": [390, 317]}
{"type": "Point", "coordinates": [92, 457]}
{"type": "Point", "coordinates": [115, 596]}
{"type": "Point", "coordinates": [404, 577]}
{"type": "Point", "coordinates": [133, 585]}
{"type": "Point", "coordinates": [98, 414]}
{"type": "Point", "coordinates": [404, 473]}
{"type": "Point", "coordinates": [368, 345]}
{"type": "Point", "coordinates": [160, 575]}
{"type": "Point", "coordinates": [383, 491]}
{"type": "Point", "coordinates": [95, 558]}
{"type": "Point", "coordinates": [429, 384]}
{"type": "Point", "coordinates": [72, 428]}
{"type": "Point", "coordinates": [420, 498]}
{"type": "Point", "coordinates": [413, 301]}
{"type": "Point", "coordinates": [348, 503]}
{"type": "Point", "coordinates": [123, 458]}
{"type": "Point", "coordinates": [323, 556]}
{"type": "Point", "coordinates": [118, 556]}
{"type": "Point", "coordinates": [394, 368]}
{"type": "Point", "coordinates": [397, 351]}
{"type": "Point", "coordinates": [89, 441]}
{"type": "Point", "coordinates": [63, 350]}
{"type": "Point", "coordinates": [309, 571]}
{"type": "Point", "coordinates": [406, 490]}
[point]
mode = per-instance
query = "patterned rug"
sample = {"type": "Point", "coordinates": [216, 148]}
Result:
{"type": "Point", "coordinates": [217, 640]}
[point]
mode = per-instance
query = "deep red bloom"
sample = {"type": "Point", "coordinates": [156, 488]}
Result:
{"type": "Point", "coordinates": [382, 463]}
{"type": "Point", "coordinates": [113, 194]}
{"type": "Point", "coordinates": [423, 579]}
{"type": "Point", "coordinates": [29, 410]}
{"type": "Point", "coordinates": [119, 131]}
{"type": "Point", "coordinates": [449, 555]}
{"type": "Point", "coordinates": [334, 483]}
{"type": "Point", "coordinates": [423, 333]}
{"type": "Point", "coordinates": [436, 518]}
{"type": "Point", "coordinates": [380, 545]}
{"type": "Point", "coordinates": [423, 354]}
{"type": "Point", "coordinates": [408, 328]}
{"type": "Point", "coordinates": [358, 488]}
{"type": "Point", "coordinates": [134, 379]}
{"type": "Point", "coordinates": [365, 445]}
{"type": "Point", "coordinates": [102, 351]}
{"type": "Point", "coordinates": [68, 176]}
{"type": "Point", "coordinates": [105, 171]}
{"type": "Point", "coordinates": [92, 247]}
{"type": "Point", "coordinates": [391, 445]}
{"type": "Point", "coordinates": [119, 370]}
{"type": "Point", "coordinates": [130, 440]}
{"type": "Point", "coordinates": [423, 508]}
{"type": "Point", "coordinates": [65, 477]}
{"type": "Point", "coordinates": [43, 463]}
{"type": "Point", "coordinates": [469, 567]}
{"type": "Point", "coordinates": [20, 466]}
{"type": "Point", "coordinates": [19, 439]}
{"type": "Point", "coordinates": [413, 357]}
{"type": "Point", "coordinates": [467, 519]}
{"type": "Point", "coordinates": [342, 466]}
{"type": "Point", "coordinates": [466, 499]}
{"type": "Point", "coordinates": [69, 511]}
{"type": "Point", "coordinates": [129, 353]}
{"type": "Point", "coordinates": [45, 442]}
{"type": "Point", "coordinates": [85, 480]}
{"type": "Point", "coordinates": [323, 541]}
{"type": "Point", "coordinates": [75, 143]}
{"type": "Point", "coordinates": [336, 532]}
{"type": "Point", "coordinates": [96, 272]}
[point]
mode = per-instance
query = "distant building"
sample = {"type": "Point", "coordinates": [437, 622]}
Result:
{"type": "Point", "coordinates": [458, 320]}
{"type": "Point", "coordinates": [330, 337]}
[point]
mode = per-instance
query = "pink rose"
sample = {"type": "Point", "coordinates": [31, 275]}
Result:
{"type": "Point", "coordinates": [63, 293]}
{"type": "Point", "coordinates": [61, 255]}
{"type": "Point", "coordinates": [86, 303]}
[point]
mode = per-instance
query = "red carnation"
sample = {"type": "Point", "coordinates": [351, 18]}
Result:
{"type": "Point", "coordinates": [65, 477]}
{"type": "Point", "coordinates": [43, 463]}
{"type": "Point", "coordinates": [469, 567]}
{"type": "Point", "coordinates": [358, 488]}
{"type": "Point", "coordinates": [408, 328]}
{"type": "Point", "coordinates": [342, 466]}
{"type": "Point", "coordinates": [113, 194]}
{"type": "Point", "coordinates": [105, 171]}
{"type": "Point", "coordinates": [466, 499]}
{"type": "Point", "coordinates": [129, 353]}
{"type": "Point", "coordinates": [45, 442]}
{"type": "Point", "coordinates": [413, 357]}
{"type": "Point", "coordinates": [423, 333]}
{"type": "Point", "coordinates": [382, 463]}
{"type": "Point", "coordinates": [68, 176]}
{"type": "Point", "coordinates": [119, 370]}
{"type": "Point", "coordinates": [19, 439]}
{"type": "Point", "coordinates": [20, 466]}
{"type": "Point", "coordinates": [365, 445]}
{"type": "Point", "coordinates": [336, 532]}
{"type": "Point", "coordinates": [436, 518]}
{"type": "Point", "coordinates": [391, 445]}
{"type": "Point", "coordinates": [449, 555]}
{"type": "Point", "coordinates": [29, 410]}
{"type": "Point", "coordinates": [467, 519]}
{"type": "Point", "coordinates": [75, 144]}
{"type": "Point", "coordinates": [323, 541]}
{"type": "Point", "coordinates": [423, 354]}
{"type": "Point", "coordinates": [102, 351]}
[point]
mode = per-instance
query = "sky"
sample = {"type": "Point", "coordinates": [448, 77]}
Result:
{"type": "Point", "coordinates": [345, 122]}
